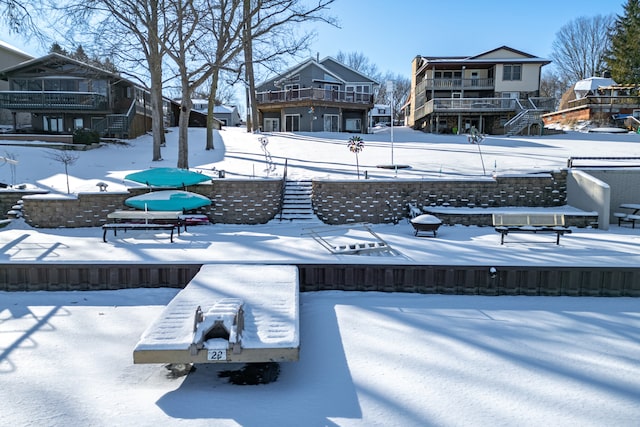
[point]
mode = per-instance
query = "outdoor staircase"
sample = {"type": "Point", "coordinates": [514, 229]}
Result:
{"type": "Point", "coordinates": [297, 204]}
{"type": "Point", "coordinates": [523, 120]}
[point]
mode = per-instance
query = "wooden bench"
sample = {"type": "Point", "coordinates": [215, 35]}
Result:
{"type": "Point", "coordinates": [137, 226]}
{"type": "Point", "coordinates": [506, 223]}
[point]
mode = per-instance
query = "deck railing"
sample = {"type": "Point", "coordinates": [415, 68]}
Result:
{"type": "Point", "coordinates": [605, 100]}
{"type": "Point", "coordinates": [46, 100]}
{"type": "Point", "coordinates": [316, 94]}
{"type": "Point", "coordinates": [457, 84]}
{"type": "Point", "coordinates": [470, 105]}
{"type": "Point", "coordinates": [116, 124]}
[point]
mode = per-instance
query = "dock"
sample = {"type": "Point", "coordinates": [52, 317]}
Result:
{"type": "Point", "coordinates": [228, 313]}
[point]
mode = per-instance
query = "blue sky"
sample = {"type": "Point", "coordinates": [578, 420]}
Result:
{"type": "Point", "coordinates": [392, 33]}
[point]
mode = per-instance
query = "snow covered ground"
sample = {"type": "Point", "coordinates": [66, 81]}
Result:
{"type": "Point", "coordinates": [367, 359]}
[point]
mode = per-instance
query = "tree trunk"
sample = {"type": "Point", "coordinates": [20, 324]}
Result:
{"type": "Point", "coordinates": [154, 59]}
{"type": "Point", "coordinates": [157, 116]}
{"type": "Point", "coordinates": [183, 127]}
{"type": "Point", "coordinates": [248, 59]}
{"type": "Point", "coordinates": [210, 107]}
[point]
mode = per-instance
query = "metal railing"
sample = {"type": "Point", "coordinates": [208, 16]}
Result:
{"type": "Point", "coordinates": [542, 103]}
{"type": "Point", "coordinates": [471, 105]}
{"type": "Point", "coordinates": [284, 188]}
{"type": "Point", "coordinates": [316, 94]}
{"type": "Point", "coordinates": [605, 100]}
{"type": "Point", "coordinates": [117, 124]}
{"type": "Point", "coordinates": [457, 84]}
{"type": "Point", "coordinates": [43, 100]}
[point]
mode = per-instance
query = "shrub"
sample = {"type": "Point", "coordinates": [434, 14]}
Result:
{"type": "Point", "coordinates": [85, 136]}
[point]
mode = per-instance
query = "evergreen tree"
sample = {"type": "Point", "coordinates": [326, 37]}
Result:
{"type": "Point", "coordinates": [56, 48]}
{"type": "Point", "coordinates": [623, 58]}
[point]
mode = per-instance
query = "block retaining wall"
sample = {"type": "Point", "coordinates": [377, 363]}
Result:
{"type": "Point", "coordinates": [382, 201]}
{"type": "Point", "coordinates": [233, 202]}
{"type": "Point", "coordinates": [335, 202]}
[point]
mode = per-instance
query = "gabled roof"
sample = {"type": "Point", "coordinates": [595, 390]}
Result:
{"type": "Point", "coordinates": [225, 109]}
{"type": "Point", "coordinates": [320, 64]}
{"type": "Point", "coordinates": [52, 58]}
{"type": "Point", "coordinates": [518, 52]}
{"type": "Point", "coordinates": [286, 75]}
{"type": "Point", "coordinates": [484, 58]}
{"type": "Point", "coordinates": [6, 46]}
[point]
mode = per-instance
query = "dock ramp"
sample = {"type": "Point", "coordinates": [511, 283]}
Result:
{"type": "Point", "coordinates": [228, 313]}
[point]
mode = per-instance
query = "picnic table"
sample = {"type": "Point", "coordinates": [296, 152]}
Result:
{"type": "Point", "coordinates": [530, 223]}
{"type": "Point", "coordinates": [628, 217]}
{"type": "Point", "coordinates": [143, 220]}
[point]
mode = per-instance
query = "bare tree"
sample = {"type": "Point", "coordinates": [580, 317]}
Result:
{"type": "Point", "coordinates": [552, 86]}
{"type": "Point", "coordinates": [401, 89]}
{"type": "Point", "coordinates": [359, 62]}
{"type": "Point", "coordinates": [191, 70]}
{"type": "Point", "coordinates": [226, 29]}
{"type": "Point", "coordinates": [18, 15]}
{"type": "Point", "coordinates": [67, 158]}
{"type": "Point", "coordinates": [580, 47]}
{"type": "Point", "coordinates": [125, 28]}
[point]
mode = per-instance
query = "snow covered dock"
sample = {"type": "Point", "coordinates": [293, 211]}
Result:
{"type": "Point", "coordinates": [228, 313]}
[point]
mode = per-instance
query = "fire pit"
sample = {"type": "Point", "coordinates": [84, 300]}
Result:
{"type": "Point", "coordinates": [426, 224]}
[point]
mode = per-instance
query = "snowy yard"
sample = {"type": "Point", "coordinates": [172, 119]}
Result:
{"type": "Point", "coordinates": [366, 359]}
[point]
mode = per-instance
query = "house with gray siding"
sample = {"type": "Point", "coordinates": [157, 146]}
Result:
{"type": "Point", "coordinates": [316, 96]}
{"type": "Point", "coordinates": [61, 94]}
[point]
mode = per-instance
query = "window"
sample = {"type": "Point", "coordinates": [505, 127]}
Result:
{"type": "Point", "coordinates": [512, 72]}
{"type": "Point", "coordinates": [99, 86]}
{"type": "Point", "coordinates": [292, 123]}
{"type": "Point", "coordinates": [292, 91]}
{"type": "Point", "coordinates": [357, 88]}
{"type": "Point", "coordinates": [52, 124]}
{"type": "Point", "coordinates": [78, 123]}
{"type": "Point", "coordinates": [271, 125]}
{"type": "Point", "coordinates": [331, 122]}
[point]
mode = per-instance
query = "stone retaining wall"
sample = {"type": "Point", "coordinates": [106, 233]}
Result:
{"type": "Point", "coordinates": [10, 197]}
{"type": "Point", "coordinates": [381, 201]}
{"type": "Point", "coordinates": [233, 202]}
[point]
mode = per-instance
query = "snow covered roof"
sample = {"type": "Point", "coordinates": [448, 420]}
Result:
{"type": "Point", "coordinates": [584, 86]}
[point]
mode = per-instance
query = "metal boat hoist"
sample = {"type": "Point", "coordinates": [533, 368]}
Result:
{"type": "Point", "coordinates": [228, 313]}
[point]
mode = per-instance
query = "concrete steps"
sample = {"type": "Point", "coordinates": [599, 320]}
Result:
{"type": "Point", "coordinates": [297, 204]}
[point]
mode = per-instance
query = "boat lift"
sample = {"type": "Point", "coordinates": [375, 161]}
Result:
{"type": "Point", "coordinates": [228, 313]}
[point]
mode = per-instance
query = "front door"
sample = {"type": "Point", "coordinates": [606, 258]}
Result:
{"type": "Point", "coordinates": [508, 97]}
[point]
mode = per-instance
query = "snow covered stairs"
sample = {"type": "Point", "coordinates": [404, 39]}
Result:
{"type": "Point", "coordinates": [297, 204]}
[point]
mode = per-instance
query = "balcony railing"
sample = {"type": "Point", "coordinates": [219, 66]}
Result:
{"type": "Point", "coordinates": [605, 101]}
{"type": "Point", "coordinates": [315, 94]}
{"type": "Point", "coordinates": [542, 103]}
{"type": "Point", "coordinates": [52, 100]}
{"type": "Point", "coordinates": [479, 105]}
{"type": "Point", "coordinates": [457, 84]}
